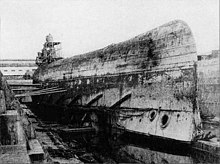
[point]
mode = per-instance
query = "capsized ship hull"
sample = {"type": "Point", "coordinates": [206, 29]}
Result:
{"type": "Point", "coordinates": [149, 81]}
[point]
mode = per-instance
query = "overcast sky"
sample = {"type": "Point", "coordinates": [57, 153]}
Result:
{"type": "Point", "coordinates": [86, 25]}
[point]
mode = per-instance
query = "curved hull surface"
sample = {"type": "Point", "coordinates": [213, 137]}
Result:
{"type": "Point", "coordinates": [150, 78]}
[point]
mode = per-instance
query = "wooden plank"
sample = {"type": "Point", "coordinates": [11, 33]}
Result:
{"type": "Point", "coordinates": [94, 99]}
{"type": "Point", "coordinates": [78, 130]}
{"type": "Point", "coordinates": [35, 147]}
{"type": "Point", "coordinates": [25, 89]}
{"type": "Point", "coordinates": [36, 94]}
{"type": "Point", "coordinates": [34, 85]}
{"type": "Point", "coordinates": [36, 152]}
{"type": "Point", "coordinates": [121, 100]}
{"type": "Point", "coordinates": [40, 91]}
{"type": "Point", "coordinates": [45, 90]}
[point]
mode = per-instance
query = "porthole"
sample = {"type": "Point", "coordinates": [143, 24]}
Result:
{"type": "Point", "coordinates": [152, 115]}
{"type": "Point", "coordinates": [164, 121]}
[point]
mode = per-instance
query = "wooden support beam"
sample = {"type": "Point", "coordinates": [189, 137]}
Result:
{"type": "Point", "coordinates": [67, 130]}
{"type": "Point", "coordinates": [74, 100]}
{"type": "Point", "coordinates": [29, 85]}
{"type": "Point", "coordinates": [121, 100]}
{"type": "Point", "coordinates": [78, 130]}
{"type": "Point", "coordinates": [40, 91]}
{"type": "Point", "coordinates": [36, 152]}
{"type": "Point", "coordinates": [50, 92]}
{"type": "Point", "coordinates": [37, 94]}
{"type": "Point", "coordinates": [49, 88]}
{"type": "Point", "coordinates": [46, 90]}
{"type": "Point", "coordinates": [25, 89]}
{"type": "Point", "coordinates": [94, 99]}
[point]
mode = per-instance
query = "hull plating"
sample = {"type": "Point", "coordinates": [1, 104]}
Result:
{"type": "Point", "coordinates": [151, 78]}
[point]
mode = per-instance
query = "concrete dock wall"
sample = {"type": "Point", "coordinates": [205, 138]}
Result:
{"type": "Point", "coordinates": [209, 83]}
{"type": "Point", "coordinates": [13, 148]}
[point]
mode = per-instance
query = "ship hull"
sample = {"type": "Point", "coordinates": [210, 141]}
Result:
{"type": "Point", "coordinates": [148, 82]}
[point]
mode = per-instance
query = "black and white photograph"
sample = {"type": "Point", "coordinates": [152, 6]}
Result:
{"type": "Point", "coordinates": [109, 81]}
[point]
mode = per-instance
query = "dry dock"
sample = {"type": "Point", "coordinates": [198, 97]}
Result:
{"type": "Point", "coordinates": [126, 103]}
{"type": "Point", "coordinates": [26, 138]}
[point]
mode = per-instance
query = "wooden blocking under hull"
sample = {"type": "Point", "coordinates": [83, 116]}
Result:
{"type": "Point", "coordinates": [94, 99]}
{"type": "Point", "coordinates": [74, 100]}
{"type": "Point", "coordinates": [121, 100]}
{"type": "Point", "coordinates": [177, 125]}
{"type": "Point", "coordinates": [36, 152]}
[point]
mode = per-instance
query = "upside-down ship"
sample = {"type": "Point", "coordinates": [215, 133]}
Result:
{"type": "Point", "coordinates": [150, 80]}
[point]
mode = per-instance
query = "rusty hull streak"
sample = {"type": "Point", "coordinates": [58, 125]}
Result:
{"type": "Point", "coordinates": [157, 68]}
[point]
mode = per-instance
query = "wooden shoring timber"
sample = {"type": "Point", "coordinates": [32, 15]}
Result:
{"type": "Point", "coordinates": [42, 93]}
{"type": "Point", "coordinates": [26, 85]}
{"type": "Point", "coordinates": [94, 99]}
{"type": "Point", "coordinates": [68, 130]}
{"type": "Point", "coordinates": [47, 92]}
{"type": "Point", "coordinates": [25, 89]}
{"type": "Point", "coordinates": [51, 91]}
{"type": "Point", "coordinates": [121, 100]}
{"type": "Point", "coordinates": [78, 130]}
{"type": "Point", "coordinates": [74, 100]}
{"type": "Point", "coordinates": [48, 89]}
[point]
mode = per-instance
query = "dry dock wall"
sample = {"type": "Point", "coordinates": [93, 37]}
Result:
{"type": "Point", "coordinates": [209, 83]}
{"type": "Point", "coordinates": [12, 138]}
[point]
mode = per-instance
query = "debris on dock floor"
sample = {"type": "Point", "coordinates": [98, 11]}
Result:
{"type": "Point", "coordinates": [55, 150]}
